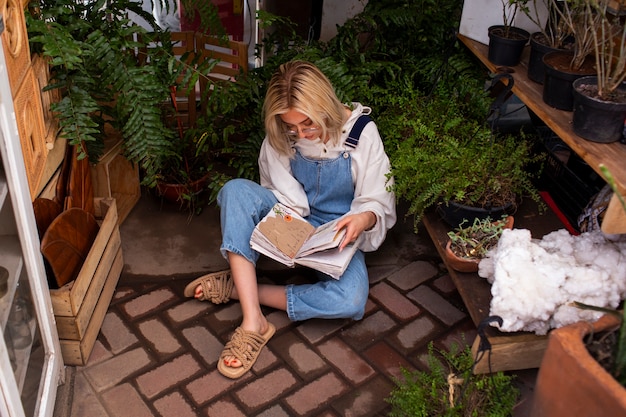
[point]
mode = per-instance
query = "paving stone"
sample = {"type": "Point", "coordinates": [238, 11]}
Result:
{"type": "Point", "coordinates": [123, 401]}
{"type": "Point", "coordinates": [148, 302]}
{"type": "Point", "coordinates": [299, 357]}
{"type": "Point", "coordinates": [394, 302]}
{"type": "Point", "coordinates": [205, 343]}
{"type": "Point", "coordinates": [369, 330]}
{"type": "Point", "coordinates": [230, 313]}
{"type": "Point", "coordinates": [344, 358]}
{"type": "Point", "coordinates": [188, 310]}
{"type": "Point", "coordinates": [212, 385]}
{"type": "Point", "coordinates": [379, 272]}
{"type": "Point", "coordinates": [174, 405]}
{"type": "Point", "coordinates": [387, 359]}
{"type": "Point", "coordinates": [317, 393]}
{"type": "Point", "coordinates": [413, 275]}
{"type": "Point", "coordinates": [315, 330]}
{"type": "Point", "coordinates": [168, 375]}
{"type": "Point", "coordinates": [366, 400]}
{"type": "Point", "coordinates": [445, 284]}
{"type": "Point", "coordinates": [117, 334]}
{"type": "Point", "coordinates": [436, 305]}
{"type": "Point", "coordinates": [162, 340]}
{"type": "Point", "coordinates": [266, 360]}
{"type": "Point", "coordinates": [266, 389]}
{"type": "Point", "coordinates": [274, 411]}
{"type": "Point", "coordinates": [85, 402]}
{"type": "Point", "coordinates": [99, 353]}
{"type": "Point", "coordinates": [225, 408]}
{"type": "Point", "coordinates": [108, 373]}
{"type": "Point", "coordinates": [416, 333]}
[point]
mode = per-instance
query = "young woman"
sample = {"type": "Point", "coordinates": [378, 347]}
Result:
{"type": "Point", "coordinates": [313, 162]}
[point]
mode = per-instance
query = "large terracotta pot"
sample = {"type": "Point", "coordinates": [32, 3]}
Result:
{"type": "Point", "coordinates": [570, 382]}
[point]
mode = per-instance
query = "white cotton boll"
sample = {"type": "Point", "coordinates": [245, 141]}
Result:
{"type": "Point", "coordinates": [486, 267]}
{"type": "Point", "coordinates": [558, 241]}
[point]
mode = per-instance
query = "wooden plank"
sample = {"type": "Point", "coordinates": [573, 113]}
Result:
{"type": "Point", "coordinates": [74, 327]}
{"type": "Point", "coordinates": [77, 352]}
{"type": "Point", "coordinates": [520, 351]}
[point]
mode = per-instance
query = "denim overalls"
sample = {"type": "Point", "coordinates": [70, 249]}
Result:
{"type": "Point", "coordinates": [330, 191]}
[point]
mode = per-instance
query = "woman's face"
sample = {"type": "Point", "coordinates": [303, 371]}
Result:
{"type": "Point", "coordinates": [299, 126]}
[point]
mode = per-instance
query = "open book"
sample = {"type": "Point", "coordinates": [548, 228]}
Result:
{"type": "Point", "coordinates": [286, 237]}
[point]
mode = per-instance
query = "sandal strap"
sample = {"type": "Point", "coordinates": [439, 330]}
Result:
{"type": "Point", "coordinates": [217, 288]}
{"type": "Point", "coordinates": [244, 346]}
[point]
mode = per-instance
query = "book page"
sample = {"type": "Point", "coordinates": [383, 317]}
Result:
{"type": "Point", "coordinates": [286, 230]}
{"type": "Point", "coordinates": [325, 237]}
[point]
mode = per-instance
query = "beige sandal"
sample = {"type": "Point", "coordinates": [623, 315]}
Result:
{"type": "Point", "coordinates": [217, 287]}
{"type": "Point", "coordinates": [245, 347]}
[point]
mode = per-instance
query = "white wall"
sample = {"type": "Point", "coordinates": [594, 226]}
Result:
{"type": "Point", "coordinates": [336, 12]}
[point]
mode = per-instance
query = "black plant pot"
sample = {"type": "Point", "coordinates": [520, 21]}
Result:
{"type": "Point", "coordinates": [558, 79]}
{"type": "Point", "coordinates": [538, 49]}
{"type": "Point", "coordinates": [594, 119]}
{"type": "Point", "coordinates": [454, 213]}
{"type": "Point", "coordinates": [506, 51]}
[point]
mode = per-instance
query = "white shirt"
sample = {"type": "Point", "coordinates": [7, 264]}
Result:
{"type": "Point", "coordinates": [370, 166]}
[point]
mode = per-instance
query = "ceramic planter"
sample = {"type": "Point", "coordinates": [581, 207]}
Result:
{"type": "Point", "coordinates": [461, 264]}
{"type": "Point", "coordinates": [175, 193]}
{"type": "Point", "coordinates": [595, 119]}
{"type": "Point", "coordinates": [570, 382]}
{"type": "Point", "coordinates": [558, 78]}
{"type": "Point", "coordinates": [503, 50]}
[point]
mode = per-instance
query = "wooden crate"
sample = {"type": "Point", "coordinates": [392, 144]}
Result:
{"type": "Point", "coordinates": [80, 306]}
{"type": "Point", "coordinates": [116, 177]}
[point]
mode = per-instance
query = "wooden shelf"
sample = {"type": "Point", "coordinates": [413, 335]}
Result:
{"type": "Point", "coordinates": [612, 155]}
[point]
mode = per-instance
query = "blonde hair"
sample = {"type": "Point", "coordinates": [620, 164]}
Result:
{"type": "Point", "coordinates": [301, 86]}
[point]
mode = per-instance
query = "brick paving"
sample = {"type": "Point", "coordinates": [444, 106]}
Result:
{"type": "Point", "coordinates": [156, 352]}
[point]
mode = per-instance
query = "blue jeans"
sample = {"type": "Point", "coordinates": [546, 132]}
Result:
{"type": "Point", "coordinates": [243, 204]}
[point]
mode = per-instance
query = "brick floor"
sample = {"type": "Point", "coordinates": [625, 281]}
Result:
{"type": "Point", "coordinates": [157, 351]}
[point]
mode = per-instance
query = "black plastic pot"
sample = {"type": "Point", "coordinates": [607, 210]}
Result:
{"type": "Point", "coordinates": [558, 79]}
{"type": "Point", "coordinates": [538, 49]}
{"type": "Point", "coordinates": [454, 213]}
{"type": "Point", "coordinates": [594, 119]}
{"type": "Point", "coordinates": [506, 51]}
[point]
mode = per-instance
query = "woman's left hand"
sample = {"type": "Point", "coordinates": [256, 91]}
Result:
{"type": "Point", "coordinates": [355, 224]}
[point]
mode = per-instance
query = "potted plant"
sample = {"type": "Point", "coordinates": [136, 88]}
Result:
{"type": "Point", "coordinates": [468, 244]}
{"type": "Point", "coordinates": [553, 35]}
{"type": "Point", "coordinates": [506, 41]}
{"type": "Point", "coordinates": [448, 154]}
{"type": "Point", "coordinates": [562, 67]}
{"type": "Point", "coordinates": [448, 388]}
{"type": "Point", "coordinates": [600, 101]}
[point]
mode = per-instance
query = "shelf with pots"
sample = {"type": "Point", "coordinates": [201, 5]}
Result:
{"type": "Point", "coordinates": [611, 155]}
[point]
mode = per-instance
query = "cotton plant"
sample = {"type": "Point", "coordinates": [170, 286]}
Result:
{"type": "Point", "coordinates": [534, 282]}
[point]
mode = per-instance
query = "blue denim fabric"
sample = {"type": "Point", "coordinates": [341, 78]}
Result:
{"type": "Point", "coordinates": [330, 190]}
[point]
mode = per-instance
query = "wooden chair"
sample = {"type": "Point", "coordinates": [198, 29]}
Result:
{"type": "Point", "coordinates": [232, 57]}
{"type": "Point", "coordinates": [186, 108]}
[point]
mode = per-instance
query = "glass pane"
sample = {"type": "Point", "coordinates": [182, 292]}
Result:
{"type": "Point", "coordinates": [23, 342]}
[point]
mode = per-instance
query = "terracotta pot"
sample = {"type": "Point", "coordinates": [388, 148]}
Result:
{"type": "Point", "coordinates": [464, 264]}
{"type": "Point", "coordinates": [570, 382]}
{"type": "Point", "coordinates": [175, 193]}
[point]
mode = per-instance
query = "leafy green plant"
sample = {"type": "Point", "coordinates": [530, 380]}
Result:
{"type": "Point", "coordinates": [475, 240]}
{"type": "Point", "coordinates": [444, 156]}
{"type": "Point", "coordinates": [91, 46]}
{"type": "Point", "coordinates": [449, 389]}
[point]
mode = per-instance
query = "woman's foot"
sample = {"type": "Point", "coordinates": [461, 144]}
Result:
{"type": "Point", "coordinates": [216, 287]}
{"type": "Point", "coordinates": [243, 349]}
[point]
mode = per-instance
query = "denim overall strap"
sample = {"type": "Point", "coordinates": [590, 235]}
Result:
{"type": "Point", "coordinates": [355, 133]}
